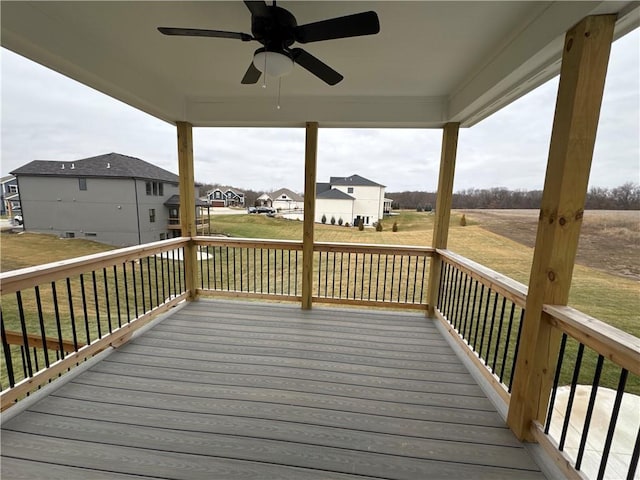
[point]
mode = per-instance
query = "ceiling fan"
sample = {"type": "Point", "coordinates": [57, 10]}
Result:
{"type": "Point", "coordinates": [276, 29]}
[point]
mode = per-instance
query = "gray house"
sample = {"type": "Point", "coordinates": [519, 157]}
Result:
{"type": "Point", "coordinates": [111, 198]}
{"type": "Point", "coordinates": [9, 196]}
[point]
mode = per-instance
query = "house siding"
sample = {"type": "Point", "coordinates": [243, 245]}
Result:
{"type": "Point", "coordinates": [334, 208]}
{"type": "Point", "coordinates": [368, 202]}
{"type": "Point", "coordinates": [108, 208]}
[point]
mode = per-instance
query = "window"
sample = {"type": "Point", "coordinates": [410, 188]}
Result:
{"type": "Point", "coordinates": [161, 189]}
{"type": "Point", "coordinates": [163, 236]}
{"type": "Point", "coordinates": [284, 196]}
{"type": "Point", "coordinates": [155, 188]}
{"type": "Point", "coordinates": [82, 183]}
{"type": "Point", "coordinates": [152, 215]}
{"type": "Point", "coordinates": [90, 234]}
{"type": "Point", "coordinates": [69, 235]}
{"type": "Point", "coordinates": [148, 186]}
{"type": "Point", "coordinates": [13, 188]}
{"type": "Point", "coordinates": [349, 189]}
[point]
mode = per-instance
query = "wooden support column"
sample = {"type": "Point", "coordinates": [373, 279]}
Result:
{"type": "Point", "coordinates": [582, 77]}
{"type": "Point", "coordinates": [187, 204]}
{"type": "Point", "coordinates": [310, 160]}
{"type": "Point", "coordinates": [443, 208]}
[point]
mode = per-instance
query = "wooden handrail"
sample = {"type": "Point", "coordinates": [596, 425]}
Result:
{"type": "Point", "coordinates": [249, 242]}
{"type": "Point", "coordinates": [620, 347]}
{"type": "Point", "coordinates": [16, 338]}
{"type": "Point", "coordinates": [373, 248]}
{"type": "Point", "coordinates": [505, 286]}
{"type": "Point", "coordinates": [16, 280]}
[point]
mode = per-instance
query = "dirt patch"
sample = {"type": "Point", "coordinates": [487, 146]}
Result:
{"type": "Point", "coordinates": [609, 240]}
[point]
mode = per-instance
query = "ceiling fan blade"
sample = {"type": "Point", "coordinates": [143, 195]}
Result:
{"type": "Point", "coordinates": [197, 32]}
{"type": "Point", "coordinates": [257, 8]}
{"type": "Point", "coordinates": [251, 76]}
{"type": "Point", "coordinates": [365, 23]}
{"type": "Point", "coordinates": [321, 70]}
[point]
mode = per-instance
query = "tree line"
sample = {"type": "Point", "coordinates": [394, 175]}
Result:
{"type": "Point", "coordinates": [624, 197]}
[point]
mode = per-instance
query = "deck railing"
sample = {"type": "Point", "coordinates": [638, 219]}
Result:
{"type": "Point", "coordinates": [484, 311]}
{"type": "Point", "coordinates": [58, 315]}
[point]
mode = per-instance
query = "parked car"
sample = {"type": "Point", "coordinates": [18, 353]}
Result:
{"type": "Point", "coordinates": [251, 210]}
{"type": "Point", "coordinates": [265, 210]}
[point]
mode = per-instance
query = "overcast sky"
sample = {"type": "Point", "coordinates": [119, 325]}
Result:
{"type": "Point", "coordinates": [46, 116]}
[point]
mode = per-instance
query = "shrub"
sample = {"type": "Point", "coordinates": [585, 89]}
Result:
{"type": "Point", "coordinates": [347, 224]}
{"type": "Point", "coordinates": [333, 220]}
{"type": "Point", "coordinates": [379, 227]}
{"type": "Point", "coordinates": [419, 209]}
{"type": "Point", "coordinates": [340, 221]}
{"type": "Point", "coordinates": [463, 221]}
{"type": "Point", "coordinates": [324, 218]}
{"type": "Point", "coordinates": [361, 225]}
{"type": "Point", "coordinates": [395, 227]}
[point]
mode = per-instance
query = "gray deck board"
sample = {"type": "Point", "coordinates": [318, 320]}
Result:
{"type": "Point", "coordinates": [249, 390]}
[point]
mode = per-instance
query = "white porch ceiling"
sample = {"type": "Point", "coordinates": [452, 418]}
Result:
{"type": "Point", "coordinates": [431, 63]}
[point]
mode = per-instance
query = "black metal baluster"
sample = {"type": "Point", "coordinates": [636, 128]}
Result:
{"type": "Point", "coordinates": [406, 287]}
{"type": "Point", "coordinates": [126, 290]}
{"type": "Point", "coordinates": [415, 280]}
{"type": "Point", "coordinates": [199, 250]}
{"type": "Point", "coordinates": [326, 276]}
{"type": "Point", "coordinates": [241, 269]}
{"type": "Point", "coordinates": [469, 325]}
{"type": "Point", "coordinates": [348, 272]}
{"type": "Point", "coordinates": [25, 337]}
{"type": "Point", "coordinates": [515, 354]}
{"type": "Point", "coordinates": [453, 281]}
{"type": "Point", "coordinates": [355, 277]}
{"type": "Point", "coordinates": [255, 268]}
{"type": "Point", "coordinates": [556, 379]}
{"type": "Point", "coordinates": [8, 360]}
{"type": "Point", "coordinates": [182, 274]}
{"type": "Point", "coordinates": [268, 270]}
{"type": "Point", "coordinates": [95, 302]}
{"type": "Point", "coordinates": [572, 394]}
{"type": "Point", "coordinates": [477, 329]}
{"type": "Point", "coordinates": [173, 272]}
{"type": "Point", "coordinates": [150, 283]}
{"type": "Point", "coordinates": [377, 276]}
{"type": "Point", "coordinates": [400, 277]}
{"type": "Point", "coordinates": [370, 275]}
{"type": "Point", "coordinates": [493, 323]}
{"type": "Point", "coordinates": [341, 264]}
{"type": "Point", "coordinates": [106, 299]}
{"type": "Point", "coordinates": [288, 272]}
{"type": "Point", "coordinates": [333, 277]}
{"type": "Point", "coordinates": [116, 282]}
{"type": "Point", "coordinates": [56, 312]}
{"type": "Point", "coordinates": [508, 340]}
{"type": "Point", "coordinates": [43, 333]}
{"type": "Point", "coordinates": [467, 303]}
{"type": "Point", "coordinates": [589, 412]}
{"type": "Point", "coordinates": [282, 271]}
{"type": "Point", "coordinates": [364, 260]}
{"type": "Point", "coordinates": [484, 323]}
{"type": "Point", "coordinates": [612, 423]}
{"type": "Point", "coordinates": [155, 274]}
{"type": "Point", "coordinates": [142, 290]}
{"type": "Point", "coordinates": [454, 295]}
{"type": "Point", "coordinates": [84, 310]}
{"type": "Point", "coordinates": [500, 323]}
{"type": "Point", "coordinates": [438, 305]}
{"type": "Point", "coordinates": [319, 272]}
{"type": "Point", "coordinates": [295, 283]}
{"type": "Point", "coordinates": [135, 285]}
{"type": "Point", "coordinates": [424, 272]}
{"type": "Point", "coordinates": [393, 274]}
{"type": "Point", "coordinates": [261, 272]}
{"type": "Point", "coordinates": [208, 267]}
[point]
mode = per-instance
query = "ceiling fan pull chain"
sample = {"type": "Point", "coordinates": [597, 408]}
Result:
{"type": "Point", "coordinates": [264, 77]}
{"type": "Point", "coordinates": [279, 86]}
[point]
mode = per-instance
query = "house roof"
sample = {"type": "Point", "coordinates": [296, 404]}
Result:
{"type": "Point", "coordinates": [431, 63]}
{"type": "Point", "coordinates": [322, 187]}
{"type": "Point", "coordinates": [285, 191]}
{"type": "Point", "coordinates": [334, 194]}
{"type": "Point", "coordinates": [6, 178]}
{"type": "Point", "coordinates": [174, 201]}
{"type": "Point", "coordinates": [353, 181]}
{"type": "Point", "coordinates": [108, 165]}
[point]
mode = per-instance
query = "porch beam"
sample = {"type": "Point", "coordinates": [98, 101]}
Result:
{"type": "Point", "coordinates": [310, 161]}
{"type": "Point", "coordinates": [582, 76]}
{"type": "Point", "coordinates": [187, 204]}
{"type": "Point", "coordinates": [443, 209]}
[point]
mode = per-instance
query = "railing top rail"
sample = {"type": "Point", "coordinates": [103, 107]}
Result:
{"type": "Point", "coordinates": [16, 280]}
{"type": "Point", "coordinates": [511, 289]}
{"type": "Point", "coordinates": [373, 248]}
{"type": "Point", "coordinates": [249, 242]}
{"type": "Point", "coordinates": [620, 347]}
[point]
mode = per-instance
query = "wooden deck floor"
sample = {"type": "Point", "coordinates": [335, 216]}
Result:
{"type": "Point", "coordinates": [234, 390]}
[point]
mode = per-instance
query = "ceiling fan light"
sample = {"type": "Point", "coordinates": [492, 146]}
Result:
{"type": "Point", "coordinates": [277, 64]}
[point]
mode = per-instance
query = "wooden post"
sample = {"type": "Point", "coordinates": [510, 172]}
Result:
{"type": "Point", "coordinates": [187, 204]}
{"type": "Point", "coordinates": [443, 208]}
{"type": "Point", "coordinates": [310, 160]}
{"type": "Point", "coordinates": [582, 77]}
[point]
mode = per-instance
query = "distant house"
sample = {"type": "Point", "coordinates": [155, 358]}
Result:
{"type": "Point", "coordinates": [9, 196]}
{"type": "Point", "coordinates": [202, 216]}
{"type": "Point", "coordinates": [282, 200]}
{"type": "Point", "coordinates": [351, 198]}
{"type": "Point", "coordinates": [111, 198]}
{"type": "Point", "coordinates": [227, 198]}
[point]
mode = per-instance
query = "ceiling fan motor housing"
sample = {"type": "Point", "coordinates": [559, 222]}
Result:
{"type": "Point", "coordinates": [274, 30]}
